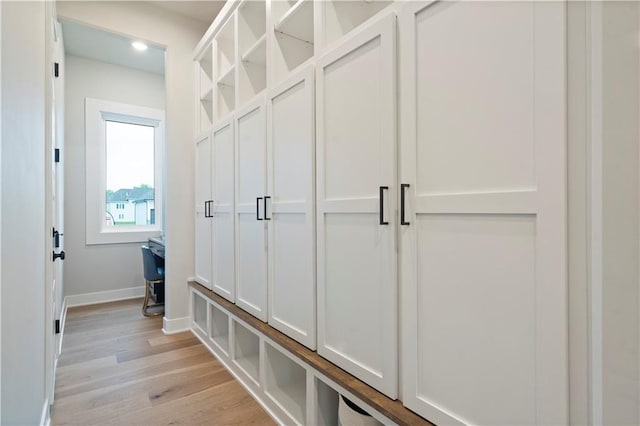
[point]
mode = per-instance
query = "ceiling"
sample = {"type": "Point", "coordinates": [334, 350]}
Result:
{"type": "Point", "coordinates": [203, 10]}
{"type": "Point", "coordinates": [92, 43]}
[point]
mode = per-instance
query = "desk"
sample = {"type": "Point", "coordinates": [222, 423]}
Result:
{"type": "Point", "coordinates": [157, 248]}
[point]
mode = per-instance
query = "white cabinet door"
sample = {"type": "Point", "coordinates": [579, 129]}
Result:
{"type": "Point", "coordinates": [222, 210]}
{"type": "Point", "coordinates": [251, 241]}
{"type": "Point", "coordinates": [203, 221]}
{"type": "Point", "coordinates": [484, 251]}
{"type": "Point", "coordinates": [291, 152]}
{"type": "Point", "coordinates": [356, 190]}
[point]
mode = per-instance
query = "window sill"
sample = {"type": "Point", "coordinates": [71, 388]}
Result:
{"type": "Point", "coordinates": [122, 237]}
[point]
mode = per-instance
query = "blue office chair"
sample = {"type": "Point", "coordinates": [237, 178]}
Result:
{"type": "Point", "coordinates": [153, 268]}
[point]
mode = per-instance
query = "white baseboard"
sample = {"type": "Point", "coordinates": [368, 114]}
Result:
{"type": "Point", "coordinates": [103, 296]}
{"type": "Point", "coordinates": [45, 417]}
{"type": "Point", "coordinates": [177, 325]}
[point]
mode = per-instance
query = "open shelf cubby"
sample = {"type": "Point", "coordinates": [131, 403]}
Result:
{"type": "Point", "coordinates": [247, 351]}
{"type": "Point", "coordinates": [219, 328]}
{"type": "Point", "coordinates": [205, 68]}
{"type": "Point", "coordinates": [286, 384]}
{"type": "Point", "coordinates": [294, 36]}
{"type": "Point", "coordinates": [199, 305]}
{"type": "Point", "coordinates": [327, 400]}
{"type": "Point", "coordinates": [206, 113]}
{"type": "Point", "coordinates": [342, 16]}
{"type": "Point", "coordinates": [252, 26]}
{"type": "Point", "coordinates": [225, 48]}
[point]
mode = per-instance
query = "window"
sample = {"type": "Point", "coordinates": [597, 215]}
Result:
{"type": "Point", "coordinates": [124, 161]}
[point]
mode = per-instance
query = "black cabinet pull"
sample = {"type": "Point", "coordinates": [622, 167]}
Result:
{"type": "Point", "coordinates": [403, 186]}
{"type": "Point", "coordinates": [266, 197]}
{"type": "Point", "coordinates": [258, 208]}
{"type": "Point", "coordinates": [210, 205]}
{"type": "Point", "coordinates": [381, 199]}
{"type": "Point", "coordinates": [206, 209]}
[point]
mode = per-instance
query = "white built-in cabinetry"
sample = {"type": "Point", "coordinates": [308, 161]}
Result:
{"type": "Point", "coordinates": [291, 178]}
{"type": "Point", "coordinates": [251, 208]}
{"type": "Point", "coordinates": [356, 169]}
{"type": "Point", "coordinates": [387, 178]}
{"type": "Point", "coordinates": [221, 211]}
{"type": "Point", "coordinates": [484, 234]}
{"type": "Point", "coordinates": [202, 221]}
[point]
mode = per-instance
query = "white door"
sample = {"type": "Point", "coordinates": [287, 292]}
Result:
{"type": "Point", "coordinates": [58, 91]}
{"type": "Point", "coordinates": [54, 194]}
{"type": "Point", "coordinates": [356, 190]}
{"type": "Point", "coordinates": [222, 173]}
{"type": "Point", "coordinates": [203, 213]}
{"type": "Point", "coordinates": [291, 153]}
{"type": "Point", "coordinates": [251, 241]}
{"type": "Point", "coordinates": [484, 251]}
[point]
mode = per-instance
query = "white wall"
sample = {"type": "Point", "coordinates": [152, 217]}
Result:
{"type": "Point", "coordinates": [23, 208]}
{"type": "Point", "coordinates": [179, 36]}
{"type": "Point", "coordinates": [620, 213]}
{"type": "Point", "coordinates": [95, 268]}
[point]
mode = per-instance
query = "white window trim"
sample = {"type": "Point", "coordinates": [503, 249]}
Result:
{"type": "Point", "coordinates": [97, 112]}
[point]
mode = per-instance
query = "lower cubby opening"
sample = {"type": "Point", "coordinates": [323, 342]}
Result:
{"type": "Point", "coordinates": [200, 312]}
{"type": "Point", "coordinates": [327, 400]}
{"type": "Point", "coordinates": [219, 328]}
{"type": "Point", "coordinates": [247, 351]}
{"type": "Point", "coordinates": [286, 384]}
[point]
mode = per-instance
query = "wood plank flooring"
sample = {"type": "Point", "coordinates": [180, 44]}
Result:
{"type": "Point", "coordinates": [118, 368]}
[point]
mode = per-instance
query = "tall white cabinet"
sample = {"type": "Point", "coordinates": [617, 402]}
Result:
{"type": "Point", "coordinates": [202, 210]}
{"type": "Point", "coordinates": [484, 203]}
{"type": "Point", "coordinates": [291, 178]}
{"type": "Point", "coordinates": [221, 210]}
{"type": "Point", "coordinates": [355, 207]}
{"type": "Point", "coordinates": [251, 209]}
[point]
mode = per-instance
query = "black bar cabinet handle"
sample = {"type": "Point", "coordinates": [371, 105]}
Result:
{"type": "Point", "coordinates": [258, 208]}
{"type": "Point", "coordinates": [403, 186]}
{"type": "Point", "coordinates": [266, 197]}
{"type": "Point", "coordinates": [381, 199]}
{"type": "Point", "coordinates": [206, 209]}
{"type": "Point", "coordinates": [210, 205]}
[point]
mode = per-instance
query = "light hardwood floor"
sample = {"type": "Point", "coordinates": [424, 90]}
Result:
{"type": "Point", "coordinates": [118, 368]}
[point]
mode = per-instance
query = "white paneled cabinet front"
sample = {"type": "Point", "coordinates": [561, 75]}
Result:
{"type": "Point", "coordinates": [203, 220]}
{"type": "Point", "coordinates": [251, 231]}
{"type": "Point", "coordinates": [483, 207]}
{"type": "Point", "coordinates": [291, 153]}
{"type": "Point", "coordinates": [356, 191]}
{"type": "Point", "coordinates": [222, 210]}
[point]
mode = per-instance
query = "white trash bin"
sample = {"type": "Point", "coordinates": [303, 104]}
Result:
{"type": "Point", "coordinates": [350, 414]}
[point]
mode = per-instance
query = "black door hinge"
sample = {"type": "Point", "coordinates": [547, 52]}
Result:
{"type": "Point", "coordinates": [57, 326]}
{"type": "Point", "coordinates": [56, 69]}
{"type": "Point", "coordinates": [56, 155]}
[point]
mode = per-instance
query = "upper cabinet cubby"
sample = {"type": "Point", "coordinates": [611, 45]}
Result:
{"type": "Point", "coordinates": [205, 89]}
{"type": "Point", "coordinates": [225, 68]}
{"type": "Point", "coordinates": [293, 28]}
{"type": "Point", "coordinates": [342, 16]}
{"type": "Point", "coordinates": [252, 44]}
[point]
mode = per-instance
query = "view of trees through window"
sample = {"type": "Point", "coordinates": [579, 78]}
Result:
{"type": "Point", "coordinates": [130, 171]}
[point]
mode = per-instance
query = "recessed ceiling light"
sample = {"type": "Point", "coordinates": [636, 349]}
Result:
{"type": "Point", "coordinates": [138, 45]}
